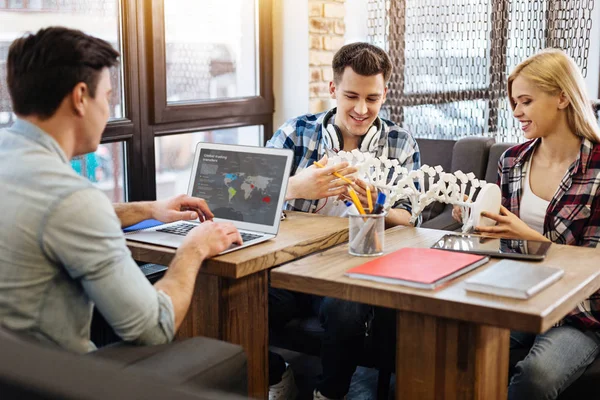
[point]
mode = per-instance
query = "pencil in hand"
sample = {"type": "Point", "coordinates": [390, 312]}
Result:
{"type": "Point", "coordinates": [356, 200]}
{"type": "Point", "coordinates": [336, 174]}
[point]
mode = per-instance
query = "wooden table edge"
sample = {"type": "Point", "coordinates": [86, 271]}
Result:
{"type": "Point", "coordinates": [232, 271]}
{"type": "Point", "coordinates": [538, 323]}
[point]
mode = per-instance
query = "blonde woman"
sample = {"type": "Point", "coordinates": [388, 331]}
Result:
{"type": "Point", "coordinates": [550, 191]}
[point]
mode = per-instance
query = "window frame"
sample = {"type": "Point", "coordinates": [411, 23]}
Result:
{"type": "Point", "coordinates": [138, 129]}
{"type": "Point", "coordinates": [143, 83]}
{"type": "Point", "coordinates": [162, 112]}
{"type": "Point", "coordinates": [127, 129]}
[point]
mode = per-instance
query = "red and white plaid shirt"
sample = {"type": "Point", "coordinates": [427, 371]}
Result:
{"type": "Point", "coordinates": [573, 215]}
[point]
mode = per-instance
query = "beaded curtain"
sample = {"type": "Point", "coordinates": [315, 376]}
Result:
{"type": "Point", "coordinates": [452, 58]}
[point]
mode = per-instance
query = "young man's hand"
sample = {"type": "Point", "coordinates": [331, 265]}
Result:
{"type": "Point", "coordinates": [182, 207]}
{"type": "Point", "coordinates": [210, 238]}
{"type": "Point", "coordinates": [360, 187]}
{"type": "Point", "coordinates": [315, 183]}
{"type": "Point", "coordinates": [204, 241]}
{"type": "Point", "coordinates": [457, 213]}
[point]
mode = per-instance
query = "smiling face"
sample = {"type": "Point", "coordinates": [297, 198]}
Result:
{"type": "Point", "coordinates": [359, 99]}
{"type": "Point", "coordinates": [539, 113]}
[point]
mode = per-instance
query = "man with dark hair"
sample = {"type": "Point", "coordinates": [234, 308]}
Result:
{"type": "Point", "coordinates": [40, 74]}
{"type": "Point", "coordinates": [62, 250]}
{"type": "Point", "coordinates": [361, 72]}
{"type": "Point", "coordinates": [364, 59]}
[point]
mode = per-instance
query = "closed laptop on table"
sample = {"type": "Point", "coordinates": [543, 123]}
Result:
{"type": "Point", "coordinates": [243, 185]}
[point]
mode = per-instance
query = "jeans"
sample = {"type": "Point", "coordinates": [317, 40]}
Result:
{"type": "Point", "coordinates": [284, 306]}
{"type": "Point", "coordinates": [555, 360]}
{"type": "Point", "coordinates": [345, 324]}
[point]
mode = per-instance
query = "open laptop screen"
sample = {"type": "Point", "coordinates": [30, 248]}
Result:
{"type": "Point", "coordinates": [240, 186]}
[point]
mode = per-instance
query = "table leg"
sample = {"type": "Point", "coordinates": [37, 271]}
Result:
{"type": "Point", "coordinates": [236, 311]}
{"type": "Point", "coordinates": [439, 358]}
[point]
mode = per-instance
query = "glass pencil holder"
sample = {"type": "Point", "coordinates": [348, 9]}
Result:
{"type": "Point", "coordinates": [366, 234]}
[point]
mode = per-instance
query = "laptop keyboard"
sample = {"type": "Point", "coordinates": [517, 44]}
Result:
{"type": "Point", "coordinates": [151, 269]}
{"type": "Point", "coordinates": [179, 229]}
{"type": "Point", "coordinates": [183, 229]}
{"type": "Point", "coordinates": [246, 237]}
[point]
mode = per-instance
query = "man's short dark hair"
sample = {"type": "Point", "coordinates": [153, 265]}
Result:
{"type": "Point", "coordinates": [364, 58]}
{"type": "Point", "coordinates": [44, 67]}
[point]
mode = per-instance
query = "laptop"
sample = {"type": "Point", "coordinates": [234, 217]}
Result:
{"type": "Point", "coordinates": [243, 185]}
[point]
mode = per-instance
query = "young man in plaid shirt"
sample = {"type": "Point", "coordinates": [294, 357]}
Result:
{"type": "Point", "coordinates": [361, 72]}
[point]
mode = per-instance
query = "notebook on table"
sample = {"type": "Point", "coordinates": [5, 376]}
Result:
{"type": "Point", "coordinates": [243, 185]}
{"type": "Point", "coordinates": [418, 267]}
{"type": "Point", "coordinates": [508, 278]}
{"type": "Point", "coordinates": [148, 223]}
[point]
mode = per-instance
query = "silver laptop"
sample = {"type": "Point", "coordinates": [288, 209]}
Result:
{"type": "Point", "coordinates": [241, 184]}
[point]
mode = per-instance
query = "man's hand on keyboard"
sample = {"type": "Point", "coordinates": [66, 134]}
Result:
{"type": "Point", "coordinates": [210, 238]}
{"type": "Point", "coordinates": [182, 207]}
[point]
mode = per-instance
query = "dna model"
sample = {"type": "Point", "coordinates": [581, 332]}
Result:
{"type": "Point", "coordinates": [397, 183]}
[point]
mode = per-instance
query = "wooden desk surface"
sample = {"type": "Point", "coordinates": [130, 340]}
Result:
{"type": "Point", "coordinates": [323, 274]}
{"type": "Point", "coordinates": [299, 234]}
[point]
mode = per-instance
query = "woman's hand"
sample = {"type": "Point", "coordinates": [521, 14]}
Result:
{"type": "Point", "coordinates": [508, 226]}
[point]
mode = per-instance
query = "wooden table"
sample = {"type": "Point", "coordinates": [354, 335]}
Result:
{"type": "Point", "coordinates": [230, 298]}
{"type": "Point", "coordinates": [450, 343]}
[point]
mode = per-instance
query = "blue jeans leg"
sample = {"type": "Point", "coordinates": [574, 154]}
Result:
{"type": "Point", "coordinates": [555, 360]}
{"type": "Point", "coordinates": [345, 324]}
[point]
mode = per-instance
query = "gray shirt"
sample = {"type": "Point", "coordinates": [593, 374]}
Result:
{"type": "Point", "coordinates": [62, 251]}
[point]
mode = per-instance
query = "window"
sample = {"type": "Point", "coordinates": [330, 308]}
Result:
{"type": "Point", "coordinates": [452, 58]}
{"type": "Point", "coordinates": [208, 56]}
{"type": "Point", "coordinates": [105, 169]}
{"type": "Point", "coordinates": [458, 118]}
{"type": "Point", "coordinates": [16, 4]}
{"type": "Point", "coordinates": [175, 154]}
{"type": "Point", "coordinates": [100, 18]}
{"type": "Point", "coordinates": [215, 61]}
{"type": "Point", "coordinates": [190, 71]}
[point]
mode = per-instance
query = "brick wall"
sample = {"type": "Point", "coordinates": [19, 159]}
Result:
{"type": "Point", "coordinates": [326, 31]}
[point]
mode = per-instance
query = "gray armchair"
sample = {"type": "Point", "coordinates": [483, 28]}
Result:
{"type": "Point", "coordinates": [29, 370]}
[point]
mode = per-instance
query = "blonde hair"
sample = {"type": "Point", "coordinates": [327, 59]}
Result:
{"type": "Point", "coordinates": [553, 72]}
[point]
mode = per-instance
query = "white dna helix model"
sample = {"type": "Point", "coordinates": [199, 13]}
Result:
{"type": "Point", "coordinates": [397, 183]}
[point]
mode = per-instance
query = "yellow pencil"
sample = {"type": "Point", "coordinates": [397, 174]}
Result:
{"type": "Point", "coordinates": [336, 174]}
{"type": "Point", "coordinates": [356, 201]}
{"type": "Point", "coordinates": [369, 199]}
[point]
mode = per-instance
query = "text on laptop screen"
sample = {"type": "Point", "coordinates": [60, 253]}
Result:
{"type": "Point", "coordinates": [240, 186]}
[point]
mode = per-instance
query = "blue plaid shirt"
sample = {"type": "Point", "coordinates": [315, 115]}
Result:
{"type": "Point", "coordinates": [303, 135]}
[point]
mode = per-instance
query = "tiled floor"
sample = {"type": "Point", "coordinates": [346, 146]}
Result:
{"type": "Point", "coordinates": [306, 369]}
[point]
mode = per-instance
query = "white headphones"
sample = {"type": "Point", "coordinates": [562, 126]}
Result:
{"type": "Point", "coordinates": [333, 138]}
